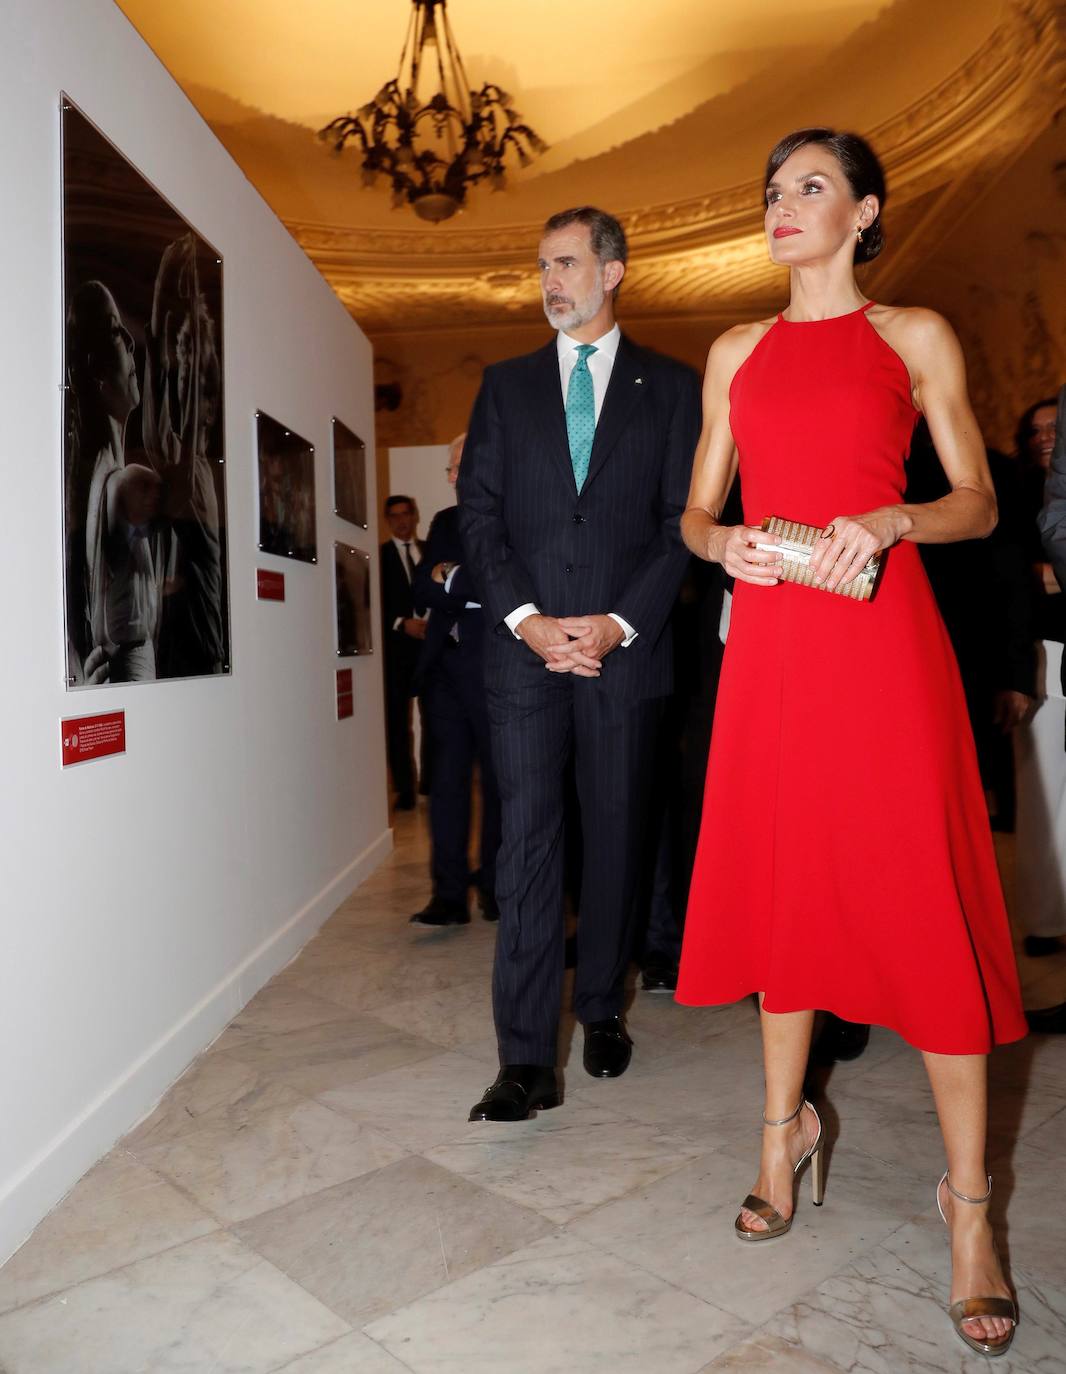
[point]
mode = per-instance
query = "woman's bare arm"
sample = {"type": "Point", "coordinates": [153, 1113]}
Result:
{"type": "Point", "coordinates": [930, 351]}
{"type": "Point", "coordinates": [715, 468]}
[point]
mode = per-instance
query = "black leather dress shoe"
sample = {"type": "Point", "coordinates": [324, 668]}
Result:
{"type": "Point", "coordinates": [839, 1041]}
{"type": "Point", "coordinates": [659, 974]}
{"type": "Point", "coordinates": [608, 1048]}
{"type": "Point", "coordinates": [440, 912]}
{"type": "Point", "coordinates": [489, 906]}
{"type": "Point", "coordinates": [519, 1090]}
{"type": "Point", "coordinates": [405, 801]}
{"type": "Point", "coordinates": [1048, 1020]}
{"type": "Point", "coordinates": [1040, 946]}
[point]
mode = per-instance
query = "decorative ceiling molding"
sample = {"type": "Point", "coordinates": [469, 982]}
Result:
{"type": "Point", "coordinates": [1036, 60]}
{"type": "Point", "coordinates": [729, 281]}
{"type": "Point", "coordinates": [1018, 72]}
{"type": "Point", "coordinates": [693, 256]}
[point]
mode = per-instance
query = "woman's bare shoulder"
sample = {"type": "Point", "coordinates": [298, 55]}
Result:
{"type": "Point", "coordinates": [912, 322]}
{"type": "Point", "coordinates": [923, 339]}
{"type": "Point", "coordinates": [733, 347]}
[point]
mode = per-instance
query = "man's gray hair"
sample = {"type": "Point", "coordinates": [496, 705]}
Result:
{"type": "Point", "coordinates": [607, 238]}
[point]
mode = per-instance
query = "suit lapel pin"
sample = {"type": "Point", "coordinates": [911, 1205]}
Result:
{"type": "Point", "coordinates": [639, 381]}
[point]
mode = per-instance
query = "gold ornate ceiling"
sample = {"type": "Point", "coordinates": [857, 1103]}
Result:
{"type": "Point", "coordinates": [663, 113]}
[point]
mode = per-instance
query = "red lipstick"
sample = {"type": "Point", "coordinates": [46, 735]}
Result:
{"type": "Point", "coordinates": [784, 231]}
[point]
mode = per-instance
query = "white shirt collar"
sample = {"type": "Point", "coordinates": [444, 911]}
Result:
{"type": "Point", "coordinates": [607, 344]}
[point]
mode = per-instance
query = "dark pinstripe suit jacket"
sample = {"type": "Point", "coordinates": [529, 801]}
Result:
{"type": "Point", "coordinates": [447, 608]}
{"type": "Point", "coordinates": [530, 536]}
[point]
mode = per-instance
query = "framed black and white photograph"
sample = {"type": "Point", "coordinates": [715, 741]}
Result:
{"type": "Point", "coordinates": [286, 491]}
{"type": "Point", "coordinates": [349, 475]}
{"type": "Point", "coordinates": [352, 575]}
{"type": "Point", "coordinates": [144, 499]}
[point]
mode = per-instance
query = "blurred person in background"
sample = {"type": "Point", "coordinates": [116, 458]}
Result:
{"type": "Point", "coordinates": [449, 680]}
{"type": "Point", "coordinates": [403, 629]}
{"type": "Point", "coordinates": [1046, 431]}
{"type": "Point", "coordinates": [1034, 443]}
{"type": "Point", "coordinates": [986, 590]}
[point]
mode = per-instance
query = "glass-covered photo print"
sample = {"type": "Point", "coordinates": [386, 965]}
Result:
{"type": "Point", "coordinates": [352, 574]}
{"type": "Point", "coordinates": [286, 491]}
{"type": "Point", "coordinates": [349, 475]}
{"type": "Point", "coordinates": [144, 497]}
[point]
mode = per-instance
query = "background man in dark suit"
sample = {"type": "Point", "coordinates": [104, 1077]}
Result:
{"type": "Point", "coordinates": [1052, 523]}
{"type": "Point", "coordinates": [1052, 520]}
{"type": "Point", "coordinates": [450, 682]}
{"type": "Point", "coordinates": [680, 774]}
{"type": "Point", "coordinates": [403, 630]}
{"type": "Point", "coordinates": [574, 477]}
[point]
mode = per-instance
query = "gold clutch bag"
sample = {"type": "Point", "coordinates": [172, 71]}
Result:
{"type": "Point", "coordinates": [796, 547]}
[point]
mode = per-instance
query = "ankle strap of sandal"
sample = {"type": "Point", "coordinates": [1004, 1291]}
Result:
{"type": "Point", "coordinates": [962, 1196]}
{"type": "Point", "coordinates": [792, 1116]}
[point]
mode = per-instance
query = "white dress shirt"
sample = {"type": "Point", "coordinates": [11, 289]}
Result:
{"type": "Point", "coordinates": [412, 546]}
{"type": "Point", "coordinates": [600, 363]}
{"type": "Point", "coordinates": [600, 366]}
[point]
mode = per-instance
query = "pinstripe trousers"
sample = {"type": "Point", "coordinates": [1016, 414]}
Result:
{"type": "Point", "coordinates": [536, 729]}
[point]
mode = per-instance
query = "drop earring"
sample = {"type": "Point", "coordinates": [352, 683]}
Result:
{"type": "Point", "coordinates": [858, 232]}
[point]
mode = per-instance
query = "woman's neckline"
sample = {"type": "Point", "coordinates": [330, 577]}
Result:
{"type": "Point", "coordinates": [830, 319]}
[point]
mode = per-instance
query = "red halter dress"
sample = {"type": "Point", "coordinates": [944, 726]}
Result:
{"type": "Point", "coordinates": [845, 859]}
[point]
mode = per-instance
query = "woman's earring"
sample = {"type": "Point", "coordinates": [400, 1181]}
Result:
{"type": "Point", "coordinates": [858, 232]}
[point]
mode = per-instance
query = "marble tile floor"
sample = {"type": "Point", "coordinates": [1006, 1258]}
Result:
{"type": "Point", "coordinates": [310, 1198]}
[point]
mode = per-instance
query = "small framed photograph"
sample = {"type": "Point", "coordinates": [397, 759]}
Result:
{"type": "Point", "coordinates": [349, 475]}
{"type": "Point", "coordinates": [352, 577]}
{"type": "Point", "coordinates": [286, 491]}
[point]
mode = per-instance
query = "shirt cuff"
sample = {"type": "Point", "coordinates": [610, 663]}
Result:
{"type": "Point", "coordinates": [516, 617]}
{"type": "Point", "coordinates": [397, 624]}
{"type": "Point", "coordinates": [470, 605]}
{"type": "Point", "coordinates": [627, 629]}
{"type": "Point", "coordinates": [726, 615]}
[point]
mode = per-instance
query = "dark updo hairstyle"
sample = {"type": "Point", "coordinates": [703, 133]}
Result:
{"type": "Point", "coordinates": [860, 165]}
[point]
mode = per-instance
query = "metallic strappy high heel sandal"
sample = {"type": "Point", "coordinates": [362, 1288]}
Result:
{"type": "Point", "coordinates": [970, 1309]}
{"type": "Point", "coordinates": [776, 1224]}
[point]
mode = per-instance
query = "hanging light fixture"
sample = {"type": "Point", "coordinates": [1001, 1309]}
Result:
{"type": "Point", "coordinates": [432, 150]}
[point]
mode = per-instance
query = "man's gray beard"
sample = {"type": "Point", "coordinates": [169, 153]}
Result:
{"type": "Point", "coordinates": [578, 314]}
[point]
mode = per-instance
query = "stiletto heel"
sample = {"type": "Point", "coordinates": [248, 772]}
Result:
{"type": "Point", "coordinates": [776, 1224]}
{"type": "Point", "coordinates": [971, 1309]}
{"type": "Point", "coordinates": [818, 1171]}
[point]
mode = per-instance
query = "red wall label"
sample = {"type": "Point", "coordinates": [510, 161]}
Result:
{"type": "Point", "coordinates": [93, 737]}
{"type": "Point", "coordinates": [345, 694]}
{"type": "Point", "coordinates": [269, 586]}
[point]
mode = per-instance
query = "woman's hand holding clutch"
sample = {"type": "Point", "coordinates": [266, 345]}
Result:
{"type": "Point", "coordinates": [849, 542]}
{"type": "Point", "coordinates": [734, 547]}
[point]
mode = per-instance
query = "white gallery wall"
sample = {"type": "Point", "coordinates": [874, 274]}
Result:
{"type": "Point", "coordinates": [418, 471]}
{"type": "Point", "coordinates": [146, 897]}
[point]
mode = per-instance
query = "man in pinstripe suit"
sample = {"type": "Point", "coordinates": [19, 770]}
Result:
{"type": "Point", "coordinates": [574, 477]}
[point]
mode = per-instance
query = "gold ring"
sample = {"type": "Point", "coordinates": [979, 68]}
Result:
{"type": "Point", "coordinates": [829, 531]}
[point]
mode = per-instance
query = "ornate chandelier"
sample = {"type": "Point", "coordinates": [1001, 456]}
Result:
{"type": "Point", "coordinates": [433, 150]}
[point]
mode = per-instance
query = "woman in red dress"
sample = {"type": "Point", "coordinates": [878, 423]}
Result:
{"type": "Point", "coordinates": [845, 858]}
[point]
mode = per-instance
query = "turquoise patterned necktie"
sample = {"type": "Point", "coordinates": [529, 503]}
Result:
{"type": "Point", "coordinates": [581, 414]}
